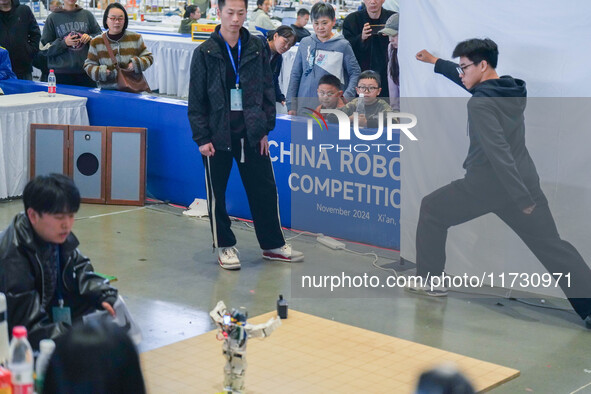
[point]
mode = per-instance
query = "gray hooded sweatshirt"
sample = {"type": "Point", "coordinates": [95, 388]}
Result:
{"type": "Point", "coordinates": [315, 59]}
{"type": "Point", "coordinates": [60, 23]}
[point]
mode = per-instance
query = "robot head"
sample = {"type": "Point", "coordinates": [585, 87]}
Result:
{"type": "Point", "coordinates": [239, 316]}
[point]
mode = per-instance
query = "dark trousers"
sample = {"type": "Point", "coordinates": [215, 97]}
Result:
{"type": "Point", "coordinates": [258, 178]}
{"type": "Point", "coordinates": [75, 79]}
{"type": "Point", "coordinates": [468, 198]}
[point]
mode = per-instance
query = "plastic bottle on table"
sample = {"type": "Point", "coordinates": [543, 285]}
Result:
{"type": "Point", "coordinates": [46, 348]}
{"type": "Point", "coordinates": [51, 84]}
{"type": "Point", "coordinates": [361, 104]}
{"type": "Point", "coordinates": [4, 345]}
{"type": "Point", "coordinates": [20, 363]}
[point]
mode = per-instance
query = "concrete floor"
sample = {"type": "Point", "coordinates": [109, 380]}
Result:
{"type": "Point", "coordinates": [170, 279]}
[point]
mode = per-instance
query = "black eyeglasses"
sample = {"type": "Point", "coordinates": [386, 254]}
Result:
{"type": "Point", "coordinates": [462, 69]}
{"type": "Point", "coordinates": [367, 88]}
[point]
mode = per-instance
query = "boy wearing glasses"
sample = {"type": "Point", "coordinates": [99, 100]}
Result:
{"type": "Point", "coordinates": [370, 86]}
{"type": "Point", "coordinates": [330, 95]}
{"type": "Point", "coordinates": [500, 178]}
{"type": "Point", "coordinates": [324, 52]}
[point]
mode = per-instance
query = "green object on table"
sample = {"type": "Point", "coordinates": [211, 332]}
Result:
{"type": "Point", "coordinates": [110, 278]}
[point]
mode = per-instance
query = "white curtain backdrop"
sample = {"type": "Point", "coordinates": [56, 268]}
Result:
{"type": "Point", "coordinates": [540, 42]}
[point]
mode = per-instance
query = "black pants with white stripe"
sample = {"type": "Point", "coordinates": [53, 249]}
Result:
{"type": "Point", "coordinates": [258, 179]}
{"type": "Point", "coordinates": [476, 195]}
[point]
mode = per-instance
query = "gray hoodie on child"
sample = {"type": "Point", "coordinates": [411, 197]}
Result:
{"type": "Point", "coordinates": [60, 23]}
{"type": "Point", "coordinates": [315, 59]}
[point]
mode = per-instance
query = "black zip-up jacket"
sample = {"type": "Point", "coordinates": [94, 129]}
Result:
{"type": "Point", "coordinates": [209, 105]}
{"type": "Point", "coordinates": [23, 256]}
{"type": "Point", "coordinates": [20, 35]}
{"type": "Point", "coordinates": [496, 127]}
{"type": "Point", "coordinates": [372, 54]}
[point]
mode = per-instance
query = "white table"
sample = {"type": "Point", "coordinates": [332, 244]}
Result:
{"type": "Point", "coordinates": [17, 112]}
{"type": "Point", "coordinates": [171, 71]}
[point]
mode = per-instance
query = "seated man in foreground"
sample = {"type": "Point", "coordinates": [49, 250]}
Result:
{"type": "Point", "coordinates": [48, 283]}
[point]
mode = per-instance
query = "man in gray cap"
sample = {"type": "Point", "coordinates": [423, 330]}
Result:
{"type": "Point", "coordinates": [393, 70]}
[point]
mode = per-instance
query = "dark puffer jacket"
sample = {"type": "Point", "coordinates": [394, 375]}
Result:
{"type": "Point", "coordinates": [22, 258]}
{"type": "Point", "coordinates": [209, 106]}
{"type": "Point", "coordinates": [20, 35]}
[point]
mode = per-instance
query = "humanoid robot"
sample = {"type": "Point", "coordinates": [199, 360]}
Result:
{"type": "Point", "coordinates": [235, 331]}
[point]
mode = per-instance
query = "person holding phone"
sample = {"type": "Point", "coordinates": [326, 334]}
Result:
{"type": "Point", "coordinates": [68, 30]}
{"type": "Point", "coordinates": [371, 49]}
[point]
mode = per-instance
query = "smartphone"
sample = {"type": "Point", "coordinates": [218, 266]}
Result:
{"type": "Point", "coordinates": [376, 28]}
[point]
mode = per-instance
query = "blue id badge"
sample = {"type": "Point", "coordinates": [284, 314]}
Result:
{"type": "Point", "coordinates": [62, 314]}
{"type": "Point", "coordinates": [236, 100]}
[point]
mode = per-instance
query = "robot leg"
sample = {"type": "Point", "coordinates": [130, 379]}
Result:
{"type": "Point", "coordinates": [238, 372]}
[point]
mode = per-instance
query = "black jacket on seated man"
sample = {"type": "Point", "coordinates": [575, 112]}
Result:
{"type": "Point", "coordinates": [30, 296]}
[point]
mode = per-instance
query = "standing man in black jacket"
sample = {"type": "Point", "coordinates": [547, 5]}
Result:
{"type": "Point", "coordinates": [20, 35]}
{"type": "Point", "coordinates": [501, 178]}
{"type": "Point", "coordinates": [48, 283]}
{"type": "Point", "coordinates": [231, 111]}
{"type": "Point", "coordinates": [371, 49]}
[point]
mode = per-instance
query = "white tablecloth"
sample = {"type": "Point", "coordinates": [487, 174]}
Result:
{"type": "Point", "coordinates": [171, 71]}
{"type": "Point", "coordinates": [17, 112]}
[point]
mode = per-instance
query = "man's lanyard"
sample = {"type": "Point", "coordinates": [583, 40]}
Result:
{"type": "Point", "coordinates": [232, 59]}
{"type": "Point", "coordinates": [59, 288]}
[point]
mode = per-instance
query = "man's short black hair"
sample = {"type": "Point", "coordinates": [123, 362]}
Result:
{"type": "Point", "coordinates": [53, 193]}
{"type": "Point", "coordinates": [222, 3]}
{"type": "Point", "coordinates": [371, 74]}
{"type": "Point", "coordinates": [106, 15]}
{"type": "Point", "coordinates": [329, 79]}
{"type": "Point", "coordinates": [477, 50]}
{"type": "Point", "coordinates": [302, 12]}
{"type": "Point", "coordinates": [321, 10]}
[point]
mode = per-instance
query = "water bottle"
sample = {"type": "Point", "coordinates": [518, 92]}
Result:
{"type": "Point", "coordinates": [20, 363]}
{"type": "Point", "coordinates": [51, 84]}
{"type": "Point", "coordinates": [4, 345]}
{"type": "Point", "coordinates": [46, 348]}
{"type": "Point", "coordinates": [361, 104]}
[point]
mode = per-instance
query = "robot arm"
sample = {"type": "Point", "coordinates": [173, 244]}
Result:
{"type": "Point", "coordinates": [262, 330]}
{"type": "Point", "coordinates": [217, 313]}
